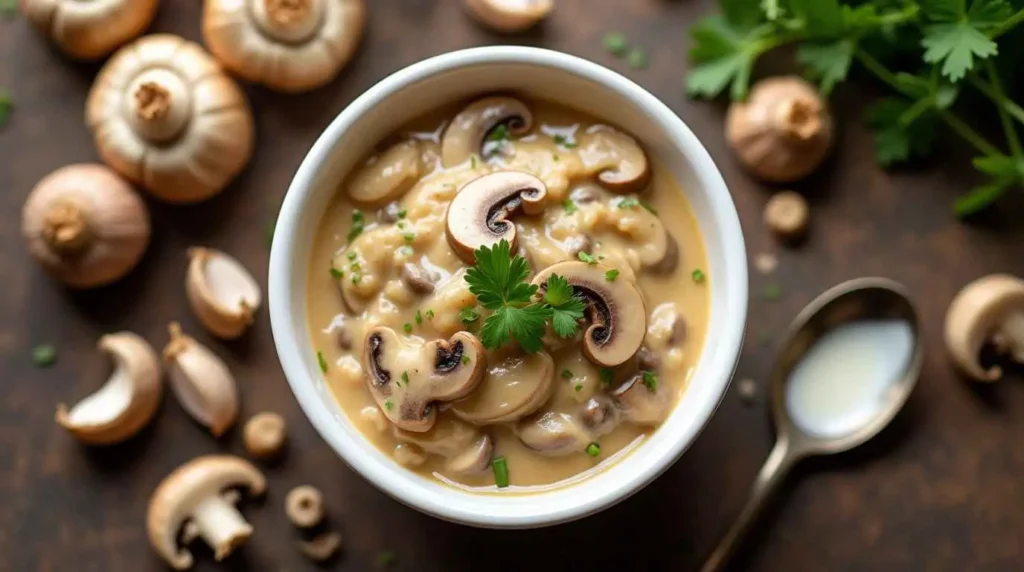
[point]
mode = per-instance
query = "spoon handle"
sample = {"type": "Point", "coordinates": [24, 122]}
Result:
{"type": "Point", "coordinates": [772, 473]}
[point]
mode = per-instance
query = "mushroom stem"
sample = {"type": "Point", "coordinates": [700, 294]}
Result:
{"type": "Point", "coordinates": [66, 229]}
{"type": "Point", "coordinates": [220, 525]}
{"type": "Point", "coordinates": [152, 101]}
{"type": "Point", "coordinates": [287, 12]}
{"type": "Point", "coordinates": [159, 106]}
{"type": "Point", "coordinates": [1010, 337]}
{"type": "Point", "coordinates": [797, 119]}
{"type": "Point", "coordinates": [290, 21]}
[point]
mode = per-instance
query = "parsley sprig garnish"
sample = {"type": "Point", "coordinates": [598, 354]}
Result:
{"type": "Point", "coordinates": [499, 282]}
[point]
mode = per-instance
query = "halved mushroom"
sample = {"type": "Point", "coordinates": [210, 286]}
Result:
{"type": "Point", "coordinates": [553, 434]}
{"type": "Point", "coordinates": [505, 16]}
{"type": "Point", "coordinates": [615, 310]}
{"type": "Point", "coordinates": [387, 175]}
{"type": "Point", "coordinates": [600, 415]}
{"type": "Point", "coordinates": [465, 135]}
{"type": "Point", "coordinates": [407, 379]}
{"type": "Point", "coordinates": [617, 160]}
{"type": "Point", "coordinates": [642, 404]}
{"type": "Point", "coordinates": [222, 293]}
{"type": "Point", "coordinates": [465, 448]}
{"type": "Point", "coordinates": [126, 402]}
{"type": "Point", "coordinates": [513, 388]}
{"type": "Point", "coordinates": [479, 214]}
{"type": "Point", "coordinates": [201, 381]}
{"type": "Point", "coordinates": [989, 309]}
{"type": "Point", "coordinates": [194, 496]}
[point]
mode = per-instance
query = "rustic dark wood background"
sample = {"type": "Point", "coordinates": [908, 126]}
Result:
{"type": "Point", "coordinates": [940, 490]}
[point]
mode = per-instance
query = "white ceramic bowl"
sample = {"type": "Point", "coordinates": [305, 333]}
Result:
{"type": "Point", "coordinates": [562, 78]}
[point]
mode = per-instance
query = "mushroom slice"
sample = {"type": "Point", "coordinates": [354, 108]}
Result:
{"type": "Point", "coordinates": [641, 404]}
{"type": "Point", "coordinates": [465, 135]}
{"type": "Point", "coordinates": [201, 381]}
{"type": "Point", "coordinates": [192, 496]}
{"type": "Point", "coordinates": [990, 308]}
{"type": "Point", "coordinates": [505, 16]}
{"type": "Point", "coordinates": [553, 434]}
{"type": "Point", "coordinates": [465, 448]}
{"type": "Point", "coordinates": [513, 388]}
{"type": "Point", "coordinates": [657, 251]}
{"type": "Point", "coordinates": [479, 214]}
{"type": "Point", "coordinates": [407, 378]}
{"type": "Point", "coordinates": [126, 402]}
{"type": "Point", "coordinates": [222, 293]}
{"type": "Point", "coordinates": [387, 175]}
{"type": "Point", "coordinates": [615, 310]}
{"type": "Point", "coordinates": [599, 415]}
{"type": "Point", "coordinates": [617, 160]}
{"type": "Point", "coordinates": [321, 547]}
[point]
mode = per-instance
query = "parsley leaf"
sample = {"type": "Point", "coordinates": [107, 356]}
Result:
{"type": "Point", "coordinates": [566, 307]}
{"type": "Point", "coordinates": [955, 36]}
{"type": "Point", "coordinates": [6, 104]}
{"type": "Point", "coordinates": [979, 198]}
{"type": "Point", "coordinates": [526, 325]}
{"type": "Point", "coordinates": [358, 222]}
{"type": "Point", "coordinates": [724, 54]}
{"type": "Point", "coordinates": [895, 141]}
{"type": "Point", "coordinates": [468, 315]}
{"type": "Point", "coordinates": [569, 206]}
{"type": "Point", "coordinates": [586, 257]}
{"type": "Point", "coordinates": [828, 63]}
{"type": "Point", "coordinates": [498, 278]}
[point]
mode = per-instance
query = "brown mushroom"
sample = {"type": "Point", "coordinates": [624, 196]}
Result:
{"type": "Point", "coordinates": [417, 278]}
{"type": "Point", "coordinates": [642, 403]}
{"type": "Point", "coordinates": [553, 434]}
{"type": "Point", "coordinates": [989, 309]}
{"type": "Point", "coordinates": [465, 448]}
{"type": "Point", "coordinates": [479, 214]}
{"type": "Point", "coordinates": [615, 310]}
{"type": "Point", "coordinates": [647, 359]}
{"type": "Point", "coordinates": [513, 388]}
{"type": "Point", "coordinates": [406, 379]}
{"type": "Point", "coordinates": [504, 16]}
{"type": "Point", "coordinates": [465, 135]}
{"type": "Point", "coordinates": [616, 159]}
{"type": "Point", "coordinates": [599, 415]}
{"type": "Point", "coordinates": [387, 175]}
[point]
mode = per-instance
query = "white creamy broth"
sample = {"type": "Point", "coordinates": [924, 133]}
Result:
{"type": "Point", "coordinates": [417, 393]}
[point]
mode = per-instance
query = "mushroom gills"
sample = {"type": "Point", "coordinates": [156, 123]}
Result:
{"type": "Point", "coordinates": [990, 308]}
{"type": "Point", "coordinates": [616, 159]}
{"type": "Point", "coordinates": [480, 213]}
{"type": "Point", "coordinates": [465, 135]}
{"type": "Point", "coordinates": [512, 389]}
{"type": "Point", "coordinates": [223, 294]}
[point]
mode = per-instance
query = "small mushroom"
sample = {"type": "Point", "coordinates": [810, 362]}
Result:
{"type": "Point", "coordinates": [89, 30]}
{"type": "Point", "coordinates": [286, 45]}
{"type": "Point", "coordinates": [264, 435]}
{"type": "Point", "coordinates": [201, 381]}
{"type": "Point", "coordinates": [615, 310]}
{"type": "Point", "coordinates": [465, 135]}
{"type": "Point", "coordinates": [387, 175]}
{"type": "Point", "coordinates": [656, 249]}
{"type": "Point", "coordinates": [513, 388]}
{"type": "Point", "coordinates": [505, 16]}
{"type": "Point", "coordinates": [85, 225]}
{"type": "Point", "coordinates": [616, 159]}
{"type": "Point", "coordinates": [222, 293]}
{"type": "Point", "coordinates": [553, 434]}
{"type": "Point", "coordinates": [989, 309]}
{"type": "Point", "coordinates": [407, 379]}
{"type": "Point", "coordinates": [786, 214]}
{"type": "Point", "coordinates": [647, 360]}
{"type": "Point", "coordinates": [599, 415]}
{"type": "Point", "coordinates": [480, 212]}
{"type": "Point", "coordinates": [783, 131]}
{"type": "Point", "coordinates": [417, 278]}
{"type": "Point", "coordinates": [321, 547]}
{"type": "Point", "coordinates": [465, 448]}
{"type": "Point", "coordinates": [389, 214]}
{"type": "Point", "coordinates": [165, 116]}
{"type": "Point", "coordinates": [585, 193]}
{"type": "Point", "coordinates": [193, 495]}
{"type": "Point", "coordinates": [642, 404]}
{"type": "Point", "coordinates": [126, 402]}
{"type": "Point", "coordinates": [408, 455]}
{"type": "Point", "coordinates": [304, 506]}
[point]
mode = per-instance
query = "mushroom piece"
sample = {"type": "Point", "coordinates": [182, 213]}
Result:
{"type": "Point", "coordinates": [387, 175]}
{"type": "Point", "coordinates": [264, 435]}
{"type": "Point", "coordinates": [193, 496]}
{"type": "Point", "coordinates": [988, 309]}
{"type": "Point", "coordinates": [126, 402]}
{"type": "Point", "coordinates": [616, 159]}
{"type": "Point", "coordinates": [480, 212]}
{"type": "Point", "coordinates": [786, 214]}
{"type": "Point", "coordinates": [89, 30]}
{"type": "Point", "coordinates": [287, 45]}
{"type": "Point", "coordinates": [615, 310]}
{"type": "Point", "coordinates": [553, 434]}
{"type": "Point", "coordinates": [165, 116]}
{"type": "Point", "coordinates": [465, 448]}
{"type": "Point", "coordinates": [222, 293]}
{"type": "Point", "coordinates": [201, 381]}
{"type": "Point", "coordinates": [304, 506]}
{"type": "Point", "coordinates": [465, 135]}
{"type": "Point", "coordinates": [505, 16]}
{"type": "Point", "coordinates": [657, 251]}
{"type": "Point", "coordinates": [407, 379]}
{"type": "Point", "coordinates": [600, 415]}
{"type": "Point", "coordinates": [417, 278]}
{"type": "Point", "coordinates": [512, 389]}
{"type": "Point", "coordinates": [322, 546]}
{"type": "Point", "coordinates": [642, 404]}
{"type": "Point", "coordinates": [782, 132]}
{"type": "Point", "coordinates": [585, 193]}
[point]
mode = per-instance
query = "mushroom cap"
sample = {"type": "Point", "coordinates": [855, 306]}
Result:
{"type": "Point", "coordinates": [512, 389]}
{"type": "Point", "coordinates": [177, 496]}
{"type": "Point", "coordinates": [164, 115]}
{"type": "Point", "coordinates": [480, 212]}
{"type": "Point", "coordinates": [265, 434]}
{"type": "Point", "coordinates": [786, 214]}
{"type": "Point", "coordinates": [201, 381]}
{"type": "Point", "coordinates": [553, 433]}
{"type": "Point", "coordinates": [286, 45]}
{"type": "Point", "coordinates": [505, 16]}
{"type": "Point", "coordinates": [640, 404]}
{"type": "Point", "coordinates": [222, 293]}
{"type": "Point", "coordinates": [387, 175]}
{"type": "Point", "coordinates": [616, 159]}
{"type": "Point", "coordinates": [407, 378]}
{"type": "Point", "coordinates": [988, 308]}
{"type": "Point", "coordinates": [89, 30]}
{"type": "Point", "coordinates": [465, 448]}
{"type": "Point", "coordinates": [615, 310]}
{"type": "Point", "coordinates": [465, 134]}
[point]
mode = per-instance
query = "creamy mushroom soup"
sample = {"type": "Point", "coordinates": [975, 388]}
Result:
{"type": "Point", "coordinates": [508, 295]}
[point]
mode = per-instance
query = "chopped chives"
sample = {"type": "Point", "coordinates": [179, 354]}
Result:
{"type": "Point", "coordinates": [628, 203]}
{"type": "Point", "coordinates": [569, 206]}
{"type": "Point", "coordinates": [465, 359]}
{"type": "Point", "coordinates": [500, 467]}
{"type": "Point", "coordinates": [637, 59]}
{"type": "Point", "coordinates": [651, 381]}
{"type": "Point", "coordinates": [44, 355]}
{"type": "Point", "coordinates": [772, 292]}
{"type": "Point", "coordinates": [430, 314]}
{"type": "Point", "coordinates": [607, 375]}
{"type": "Point", "coordinates": [385, 558]}
{"type": "Point", "coordinates": [322, 361]}
{"type": "Point", "coordinates": [407, 327]}
{"type": "Point", "coordinates": [566, 374]}
{"type": "Point", "coordinates": [351, 255]}
{"type": "Point", "coordinates": [611, 275]}
{"type": "Point", "coordinates": [579, 387]}
{"type": "Point", "coordinates": [419, 317]}
{"type": "Point", "coordinates": [409, 236]}
{"type": "Point", "coordinates": [402, 213]}
{"type": "Point", "coordinates": [697, 275]}
{"type": "Point", "coordinates": [388, 404]}
{"type": "Point", "coordinates": [615, 43]}
{"type": "Point", "coordinates": [593, 449]}
{"type": "Point", "coordinates": [586, 257]}
{"type": "Point", "coordinates": [405, 378]}
{"type": "Point", "coordinates": [336, 274]}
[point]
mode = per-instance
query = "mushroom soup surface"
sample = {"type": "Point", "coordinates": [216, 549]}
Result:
{"type": "Point", "coordinates": [404, 343]}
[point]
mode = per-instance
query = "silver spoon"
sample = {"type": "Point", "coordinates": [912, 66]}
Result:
{"type": "Point", "coordinates": [863, 298]}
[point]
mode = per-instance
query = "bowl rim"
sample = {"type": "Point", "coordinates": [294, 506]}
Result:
{"type": "Point", "coordinates": [385, 478]}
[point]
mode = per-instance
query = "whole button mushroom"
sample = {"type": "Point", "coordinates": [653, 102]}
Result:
{"type": "Point", "coordinates": [164, 115]}
{"type": "Point", "coordinates": [480, 212]}
{"type": "Point", "coordinates": [989, 309]}
{"type": "Point", "coordinates": [783, 131]}
{"type": "Point", "coordinates": [89, 30]}
{"type": "Point", "coordinates": [506, 16]}
{"type": "Point", "coordinates": [286, 45]}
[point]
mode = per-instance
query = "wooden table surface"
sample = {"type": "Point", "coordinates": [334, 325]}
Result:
{"type": "Point", "coordinates": [942, 489]}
